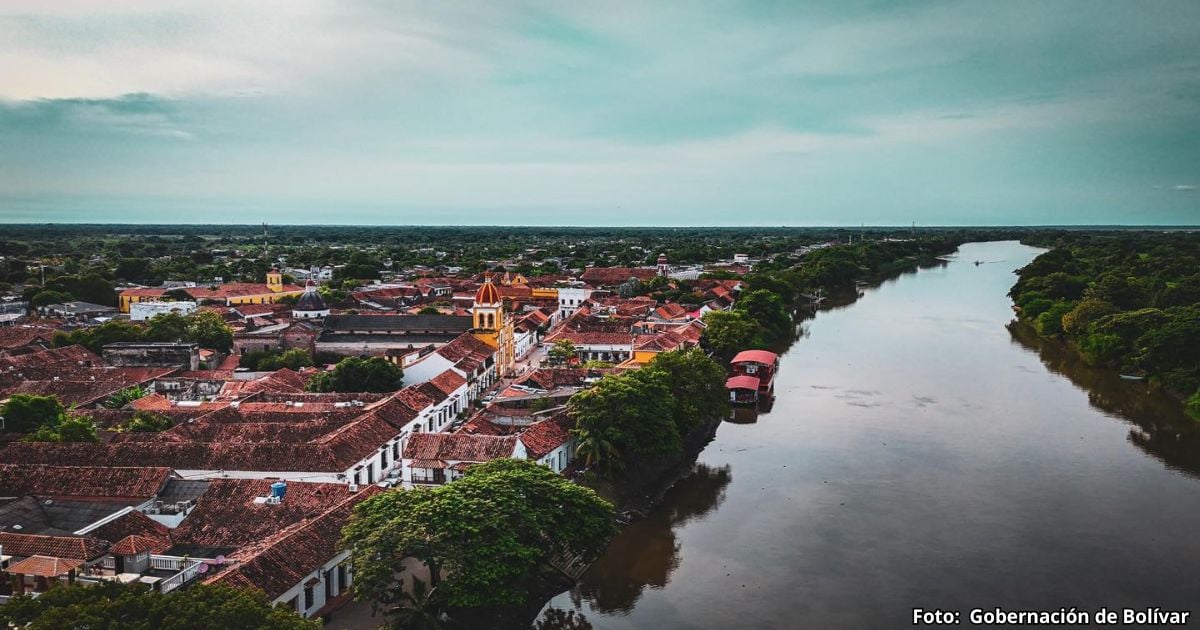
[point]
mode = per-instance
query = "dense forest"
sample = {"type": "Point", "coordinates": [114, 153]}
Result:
{"type": "Point", "coordinates": [1127, 301]}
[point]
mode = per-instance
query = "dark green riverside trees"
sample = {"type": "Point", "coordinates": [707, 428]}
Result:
{"type": "Point", "coordinates": [1127, 301]}
{"type": "Point", "coordinates": [640, 418]}
{"type": "Point", "coordinates": [115, 606]}
{"type": "Point", "coordinates": [482, 537]}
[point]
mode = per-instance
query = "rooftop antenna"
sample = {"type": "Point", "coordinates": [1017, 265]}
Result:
{"type": "Point", "coordinates": [266, 244]}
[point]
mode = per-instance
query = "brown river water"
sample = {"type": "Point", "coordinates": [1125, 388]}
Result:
{"type": "Point", "coordinates": [919, 454]}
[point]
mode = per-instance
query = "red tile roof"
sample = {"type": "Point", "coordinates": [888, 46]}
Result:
{"type": "Point", "coordinates": [448, 382]}
{"type": "Point", "coordinates": [278, 563]}
{"type": "Point", "coordinates": [459, 447]}
{"type": "Point", "coordinates": [611, 276]}
{"type": "Point", "coordinates": [227, 516]}
{"type": "Point", "coordinates": [44, 363]}
{"type": "Point", "coordinates": [134, 523]}
{"type": "Point", "coordinates": [76, 547]}
{"type": "Point", "coordinates": [42, 566]}
{"type": "Point", "coordinates": [467, 352]}
{"type": "Point", "coordinates": [544, 436]}
{"type": "Point", "coordinates": [133, 545]}
{"type": "Point", "coordinates": [19, 336]}
{"type": "Point", "coordinates": [82, 481]}
{"type": "Point", "coordinates": [592, 337]}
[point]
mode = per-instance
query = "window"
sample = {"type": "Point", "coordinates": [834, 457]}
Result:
{"type": "Point", "coordinates": [329, 594]}
{"type": "Point", "coordinates": [383, 459]}
{"type": "Point", "coordinates": [309, 597]}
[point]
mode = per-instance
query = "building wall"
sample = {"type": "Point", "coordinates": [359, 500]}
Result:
{"type": "Point", "coordinates": [295, 596]}
{"type": "Point", "coordinates": [143, 309]}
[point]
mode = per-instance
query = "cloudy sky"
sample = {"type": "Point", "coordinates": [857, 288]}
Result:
{"type": "Point", "coordinates": [600, 113]}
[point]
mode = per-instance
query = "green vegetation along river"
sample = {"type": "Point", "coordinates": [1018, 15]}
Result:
{"type": "Point", "coordinates": [920, 454]}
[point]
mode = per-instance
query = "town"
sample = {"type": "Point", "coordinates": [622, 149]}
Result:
{"type": "Point", "coordinates": [222, 433]}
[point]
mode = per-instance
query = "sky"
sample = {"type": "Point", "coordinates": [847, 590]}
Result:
{"type": "Point", "coordinates": [600, 113]}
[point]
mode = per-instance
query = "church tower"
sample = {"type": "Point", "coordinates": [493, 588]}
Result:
{"type": "Point", "coordinates": [663, 268]}
{"type": "Point", "coordinates": [275, 280]}
{"type": "Point", "coordinates": [493, 327]}
{"type": "Point", "coordinates": [488, 308]}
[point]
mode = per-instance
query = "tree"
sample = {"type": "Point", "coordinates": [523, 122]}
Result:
{"type": "Point", "coordinates": [429, 310]}
{"type": "Point", "coordinates": [633, 411]}
{"type": "Point", "coordinates": [562, 352]}
{"type": "Point", "coordinates": [70, 429]}
{"type": "Point", "coordinates": [25, 413]}
{"type": "Point", "coordinates": [482, 536]}
{"type": "Point", "coordinates": [124, 397]}
{"type": "Point", "coordinates": [768, 310]}
{"type": "Point", "coordinates": [147, 422]}
{"type": "Point", "coordinates": [167, 327]}
{"type": "Point", "coordinates": [420, 609]}
{"type": "Point", "coordinates": [629, 288]}
{"type": "Point", "coordinates": [354, 374]}
{"type": "Point", "coordinates": [95, 338]}
{"type": "Point", "coordinates": [596, 449]}
{"type": "Point", "coordinates": [50, 296]}
{"type": "Point", "coordinates": [1050, 322]}
{"type": "Point", "coordinates": [210, 331]}
{"type": "Point", "coordinates": [1077, 321]}
{"type": "Point", "coordinates": [728, 332]}
{"type": "Point", "coordinates": [697, 386]}
{"type": "Point", "coordinates": [112, 605]}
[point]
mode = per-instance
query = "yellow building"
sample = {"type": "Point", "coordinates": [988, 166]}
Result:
{"type": "Point", "coordinates": [493, 326]}
{"type": "Point", "coordinates": [232, 294]}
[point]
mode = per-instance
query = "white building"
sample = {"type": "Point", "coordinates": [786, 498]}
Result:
{"type": "Point", "coordinates": [141, 311]}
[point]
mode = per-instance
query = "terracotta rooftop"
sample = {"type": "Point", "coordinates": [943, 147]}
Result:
{"type": "Point", "coordinates": [458, 447]}
{"type": "Point", "coordinates": [42, 566]}
{"type": "Point", "coordinates": [448, 382]}
{"type": "Point", "coordinates": [134, 523]}
{"type": "Point", "coordinates": [135, 482]}
{"type": "Point", "coordinates": [133, 545]}
{"type": "Point", "coordinates": [227, 516]}
{"type": "Point", "coordinates": [20, 336]}
{"type": "Point", "coordinates": [466, 352]}
{"type": "Point", "coordinates": [612, 276]}
{"type": "Point", "coordinates": [76, 547]}
{"type": "Point", "coordinates": [279, 562]}
{"type": "Point", "coordinates": [34, 365]}
{"type": "Point", "coordinates": [544, 436]}
{"type": "Point", "coordinates": [592, 337]}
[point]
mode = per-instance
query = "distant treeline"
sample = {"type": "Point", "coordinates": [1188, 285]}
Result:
{"type": "Point", "coordinates": [1128, 301]}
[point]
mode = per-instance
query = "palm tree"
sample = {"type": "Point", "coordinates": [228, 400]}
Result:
{"type": "Point", "coordinates": [596, 449]}
{"type": "Point", "coordinates": [419, 609]}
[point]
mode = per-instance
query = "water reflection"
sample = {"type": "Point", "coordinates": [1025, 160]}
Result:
{"type": "Point", "coordinates": [743, 415]}
{"type": "Point", "coordinates": [645, 553]}
{"type": "Point", "coordinates": [1162, 429]}
{"type": "Point", "coordinates": [559, 619]}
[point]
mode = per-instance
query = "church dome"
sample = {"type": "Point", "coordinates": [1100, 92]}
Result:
{"type": "Point", "coordinates": [487, 294]}
{"type": "Point", "coordinates": [310, 301]}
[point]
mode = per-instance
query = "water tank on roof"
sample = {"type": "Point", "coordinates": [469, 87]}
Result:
{"type": "Point", "coordinates": [278, 489]}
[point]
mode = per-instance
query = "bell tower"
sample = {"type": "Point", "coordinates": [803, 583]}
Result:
{"type": "Point", "coordinates": [275, 280]}
{"type": "Point", "coordinates": [488, 308]}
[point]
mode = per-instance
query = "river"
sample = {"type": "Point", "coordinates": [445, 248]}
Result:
{"type": "Point", "coordinates": [919, 454]}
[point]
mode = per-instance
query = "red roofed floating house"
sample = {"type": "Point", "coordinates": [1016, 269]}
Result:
{"type": "Point", "coordinates": [748, 366]}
